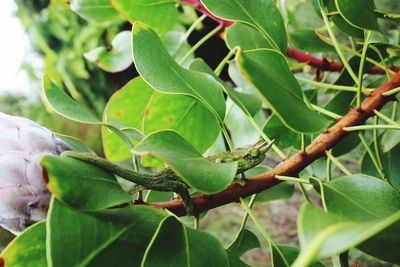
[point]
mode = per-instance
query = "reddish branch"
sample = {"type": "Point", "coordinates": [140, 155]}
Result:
{"type": "Point", "coordinates": [293, 165]}
{"type": "Point", "coordinates": [299, 56]}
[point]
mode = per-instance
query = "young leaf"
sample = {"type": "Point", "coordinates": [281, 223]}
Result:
{"type": "Point", "coordinates": [268, 71]}
{"type": "Point", "coordinates": [161, 71]}
{"type": "Point", "coordinates": [190, 247]}
{"type": "Point", "coordinates": [359, 13]}
{"type": "Point", "coordinates": [116, 58]}
{"type": "Point", "coordinates": [95, 10]}
{"type": "Point", "coordinates": [115, 237]}
{"type": "Point", "coordinates": [323, 234]}
{"type": "Point", "coordinates": [246, 37]}
{"type": "Point", "coordinates": [82, 185]}
{"type": "Point", "coordinates": [201, 174]}
{"type": "Point", "coordinates": [138, 106]}
{"type": "Point", "coordinates": [28, 249]}
{"type": "Point", "coordinates": [260, 14]}
{"type": "Point", "coordinates": [161, 15]}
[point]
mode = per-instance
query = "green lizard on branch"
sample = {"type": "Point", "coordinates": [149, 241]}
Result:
{"type": "Point", "coordinates": [167, 181]}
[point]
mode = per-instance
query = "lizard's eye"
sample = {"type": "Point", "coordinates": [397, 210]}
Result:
{"type": "Point", "coordinates": [254, 153]}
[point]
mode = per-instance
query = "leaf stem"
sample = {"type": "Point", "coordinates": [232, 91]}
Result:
{"type": "Point", "coordinates": [292, 179]}
{"type": "Point", "coordinates": [371, 127]}
{"type": "Point", "coordinates": [221, 65]}
{"type": "Point", "coordinates": [376, 144]}
{"type": "Point", "coordinates": [337, 163]}
{"type": "Point", "coordinates": [392, 92]}
{"type": "Point", "coordinates": [200, 43]}
{"type": "Point", "coordinates": [371, 154]}
{"type": "Point", "coordinates": [331, 86]}
{"type": "Point", "coordinates": [361, 69]}
{"type": "Point", "coordinates": [336, 44]}
{"type": "Point", "coordinates": [385, 118]}
{"type": "Point", "coordinates": [326, 112]}
{"type": "Point", "coordinates": [264, 233]}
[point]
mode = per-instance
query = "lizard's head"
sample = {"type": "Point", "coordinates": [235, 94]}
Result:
{"type": "Point", "coordinates": [253, 155]}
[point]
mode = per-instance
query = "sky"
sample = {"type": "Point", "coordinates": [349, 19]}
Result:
{"type": "Point", "coordinates": [14, 48]}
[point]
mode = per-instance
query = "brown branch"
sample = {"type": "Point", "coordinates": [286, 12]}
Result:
{"type": "Point", "coordinates": [299, 56]}
{"type": "Point", "coordinates": [293, 165]}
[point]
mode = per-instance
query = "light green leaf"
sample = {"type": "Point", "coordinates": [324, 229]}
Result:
{"type": "Point", "coordinates": [323, 234]}
{"type": "Point", "coordinates": [115, 58]}
{"type": "Point", "coordinates": [28, 249]}
{"type": "Point", "coordinates": [359, 13]}
{"type": "Point", "coordinates": [115, 237]}
{"type": "Point", "coordinates": [82, 185]}
{"type": "Point", "coordinates": [138, 106]}
{"type": "Point", "coordinates": [201, 174]}
{"type": "Point", "coordinates": [95, 10]}
{"type": "Point", "coordinates": [268, 71]}
{"type": "Point", "coordinates": [75, 144]}
{"type": "Point", "coordinates": [163, 74]}
{"type": "Point", "coordinates": [161, 15]}
{"type": "Point", "coordinates": [190, 247]}
{"type": "Point", "coordinates": [260, 14]}
{"type": "Point", "coordinates": [61, 103]}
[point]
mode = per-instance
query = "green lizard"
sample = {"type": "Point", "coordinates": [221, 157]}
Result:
{"type": "Point", "coordinates": [166, 180]}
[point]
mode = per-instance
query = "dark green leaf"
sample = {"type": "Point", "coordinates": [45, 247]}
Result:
{"type": "Point", "coordinates": [260, 14]}
{"type": "Point", "coordinates": [271, 76]}
{"type": "Point", "coordinates": [307, 40]}
{"type": "Point", "coordinates": [244, 242]}
{"type": "Point", "coordinates": [82, 185]}
{"type": "Point", "coordinates": [115, 237]}
{"type": "Point", "coordinates": [359, 13]}
{"type": "Point", "coordinates": [185, 247]}
{"type": "Point", "coordinates": [161, 71]}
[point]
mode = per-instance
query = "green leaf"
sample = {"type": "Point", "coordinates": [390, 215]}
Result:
{"type": "Point", "coordinates": [323, 234]}
{"type": "Point", "coordinates": [245, 241]}
{"type": "Point", "coordinates": [284, 137]}
{"type": "Point", "coordinates": [82, 185]}
{"type": "Point", "coordinates": [390, 140]}
{"type": "Point", "coordinates": [186, 247]}
{"type": "Point", "coordinates": [75, 144]}
{"type": "Point", "coordinates": [307, 40]}
{"type": "Point", "coordinates": [351, 198]}
{"type": "Point", "coordinates": [250, 104]}
{"type": "Point", "coordinates": [268, 71]}
{"type": "Point", "coordinates": [201, 174]}
{"type": "Point", "coordinates": [115, 237]}
{"type": "Point", "coordinates": [341, 23]}
{"type": "Point", "coordinates": [260, 14]}
{"type": "Point", "coordinates": [359, 13]}
{"type": "Point", "coordinates": [161, 15]}
{"type": "Point", "coordinates": [95, 10]}
{"type": "Point", "coordinates": [138, 106]}
{"type": "Point", "coordinates": [391, 168]}
{"type": "Point", "coordinates": [291, 253]}
{"type": "Point", "coordinates": [160, 70]}
{"type": "Point", "coordinates": [115, 58]}
{"type": "Point", "coordinates": [61, 103]}
{"type": "Point", "coordinates": [246, 37]}
{"type": "Point", "coordinates": [28, 249]}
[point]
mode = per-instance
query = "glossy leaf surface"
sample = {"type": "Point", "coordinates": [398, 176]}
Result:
{"type": "Point", "coordinates": [201, 174]}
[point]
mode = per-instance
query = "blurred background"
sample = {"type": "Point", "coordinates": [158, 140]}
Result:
{"type": "Point", "coordinates": [42, 36]}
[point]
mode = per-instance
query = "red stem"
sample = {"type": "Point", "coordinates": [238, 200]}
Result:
{"type": "Point", "coordinates": [299, 56]}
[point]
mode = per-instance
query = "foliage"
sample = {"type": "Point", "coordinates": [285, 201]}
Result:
{"type": "Point", "coordinates": [180, 113]}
